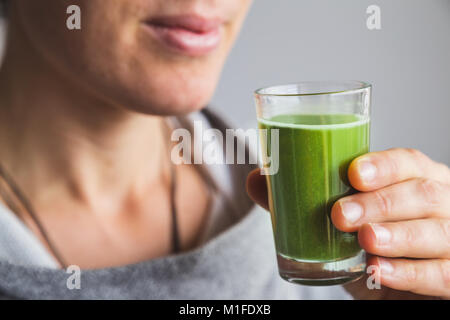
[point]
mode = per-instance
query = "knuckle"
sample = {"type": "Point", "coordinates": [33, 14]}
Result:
{"type": "Point", "coordinates": [445, 230]}
{"type": "Point", "coordinates": [384, 202]}
{"type": "Point", "coordinates": [431, 190]}
{"type": "Point", "coordinates": [411, 274]}
{"type": "Point", "coordinates": [445, 170]}
{"type": "Point", "coordinates": [417, 274]}
{"type": "Point", "coordinates": [442, 168]}
{"type": "Point", "coordinates": [410, 236]}
{"type": "Point", "coordinates": [416, 153]}
{"type": "Point", "coordinates": [420, 159]}
{"type": "Point", "coordinates": [445, 271]}
{"type": "Point", "coordinates": [391, 162]}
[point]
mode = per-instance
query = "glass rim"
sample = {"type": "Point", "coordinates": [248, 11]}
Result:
{"type": "Point", "coordinates": [355, 87]}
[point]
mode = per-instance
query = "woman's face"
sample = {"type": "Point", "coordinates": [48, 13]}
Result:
{"type": "Point", "coordinates": [153, 56]}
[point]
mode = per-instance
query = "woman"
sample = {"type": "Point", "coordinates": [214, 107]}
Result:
{"type": "Point", "coordinates": [87, 179]}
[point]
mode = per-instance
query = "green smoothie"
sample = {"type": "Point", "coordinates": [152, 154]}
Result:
{"type": "Point", "coordinates": [314, 154]}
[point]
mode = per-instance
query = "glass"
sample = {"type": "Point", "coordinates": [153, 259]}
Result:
{"type": "Point", "coordinates": [320, 127]}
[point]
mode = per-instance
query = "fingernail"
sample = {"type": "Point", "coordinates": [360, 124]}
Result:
{"type": "Point", "coordinates": [385, 266]}
{"type": "Point", "coordinates": [352, 211]}
{"type": "Point", "coordinates": [367, 170]}
{"type": "Point", "coordinates": [382, 235]}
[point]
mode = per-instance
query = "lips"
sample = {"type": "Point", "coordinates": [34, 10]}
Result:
{"type": "Point", "coordinates": [187, 34]}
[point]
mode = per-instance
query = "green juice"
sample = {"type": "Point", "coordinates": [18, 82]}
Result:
{"type": "Point", "coordinates": [314, 154]}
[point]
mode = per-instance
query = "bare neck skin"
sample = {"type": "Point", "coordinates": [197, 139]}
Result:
{"type": "Point", "coordinates": [96, 174]}
{"type": "Point", "coordinates": [54, 134]}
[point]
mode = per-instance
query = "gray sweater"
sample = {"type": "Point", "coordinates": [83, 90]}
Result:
{"type": "Point", "coordinates": [236, 261]}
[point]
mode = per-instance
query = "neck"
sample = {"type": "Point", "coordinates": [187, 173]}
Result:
{"type": "Point", "coordinates": [57, 139]}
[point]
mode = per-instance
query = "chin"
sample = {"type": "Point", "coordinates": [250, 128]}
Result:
{"type": "Point", "coordinates": [181, 104]}
{"type": "Point", "coordinates": [179, 98]}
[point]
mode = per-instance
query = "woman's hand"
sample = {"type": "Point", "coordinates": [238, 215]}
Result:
{"type": "Point", "coordinates": [402, 217]}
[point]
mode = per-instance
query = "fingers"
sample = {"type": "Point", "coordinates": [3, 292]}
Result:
{"type": "Point", "coordinates": [257, 188]}
{"type": "Point", "coordinates": [429, 238]}
{"type": "Point", "coordinates": [412, 199]}
{"type": "Point", "coordinates": [426, 277]}
{"type": "Point", "coordinates": [379, 169]}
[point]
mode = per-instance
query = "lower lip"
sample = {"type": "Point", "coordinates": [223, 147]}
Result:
{"type": "Point", "coordinates": [185, 41]}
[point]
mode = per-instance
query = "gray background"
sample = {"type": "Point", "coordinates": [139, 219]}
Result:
{"type": "Point", "coordinates": [407, 61]}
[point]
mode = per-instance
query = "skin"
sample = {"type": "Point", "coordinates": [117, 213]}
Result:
{"type": "Point", "coordinates": [82, 128]}
{"type": "Point", "coordinates": [81, 132]}
{"type": "Point", "coordinates": [404, 222]}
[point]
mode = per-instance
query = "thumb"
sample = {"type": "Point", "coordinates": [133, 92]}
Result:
{"type": "Point", "coordinates": [257, 188]}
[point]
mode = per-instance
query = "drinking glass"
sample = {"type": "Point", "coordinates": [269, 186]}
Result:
{"type": "Point", "coordinates": [310, 133]}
